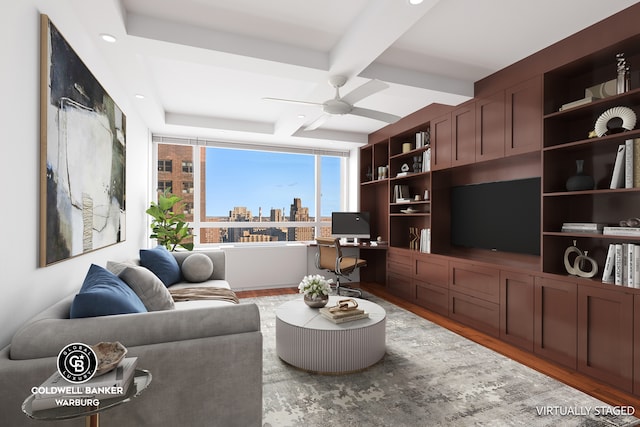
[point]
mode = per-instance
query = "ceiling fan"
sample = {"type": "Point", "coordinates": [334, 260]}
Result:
{"type": "Point", "coordinates": [345, 105]}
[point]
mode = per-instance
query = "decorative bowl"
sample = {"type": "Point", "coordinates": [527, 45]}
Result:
{"type": "Point", "coordinates": [109, 354]}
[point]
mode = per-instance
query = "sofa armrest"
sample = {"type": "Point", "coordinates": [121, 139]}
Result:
{"type": "Point", "coordinates": [45, 337]}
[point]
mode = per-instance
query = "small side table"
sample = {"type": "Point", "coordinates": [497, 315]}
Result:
{"type": "Point", "coordinates": [141, 380]}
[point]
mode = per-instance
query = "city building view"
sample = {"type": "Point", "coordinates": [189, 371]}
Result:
{"type": "Point", "coordinates": [176, 173]}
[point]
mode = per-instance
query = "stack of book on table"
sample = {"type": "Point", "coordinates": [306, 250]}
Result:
{"type": "Point", "coordinates": [56, 391]}
{"type": "Point", "coordinates": [337, 315]}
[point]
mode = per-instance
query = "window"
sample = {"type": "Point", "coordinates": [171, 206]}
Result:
{"type": "Point", "coordinates": [187, 187]}
{"type": "Point", "coordinates": [187, 166]}
{"type": "Point", "coordinates": [250, 194]}
{"type": "Point", "coordinates": [188, 208]}
{"type": "Point", "coordinates": [165, 166]}
{"type": "Point", "coordinates": [164, 185]}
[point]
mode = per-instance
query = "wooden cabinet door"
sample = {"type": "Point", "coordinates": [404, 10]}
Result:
{"type": "Point", "coordinates": [555, 320]}
{"type": "Point", "coordinates": [463, 127]}
{"type": "Point", "coordinates": [400, 274]}
{"type": "Point", "coordinates": [524, 117]}
{"type": "Point", "coordinates": [516, 309]}
{"type": "Point", "coordinates": [605, 335]}
{"type": "Point", "coordinates": [432, 283]}
{"type": "Point", "coordinates": [441, 142]}
{"type": "Point", "coordinates": [490, 129]}
{"type": "Point", "coordinates": [474, 296]}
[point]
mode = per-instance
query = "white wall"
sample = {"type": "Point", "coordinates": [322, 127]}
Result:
{"type": "Point", "coordinates": [264, 267]}
{"type": "Point", "coordinates": [26, 289]}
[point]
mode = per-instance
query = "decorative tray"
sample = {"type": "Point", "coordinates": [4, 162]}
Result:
{"type": "Point", "coordinates": [109, 354]}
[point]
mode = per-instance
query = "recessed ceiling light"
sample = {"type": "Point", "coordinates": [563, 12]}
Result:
{"type": "Point", "coordinates": [139, 96]}
{"type": "Point", "coordinates": [301, 116]}
{"type": "Point", "coordinates": [415, 2]}
{"type": "Point", "coordinates": [108, 38]}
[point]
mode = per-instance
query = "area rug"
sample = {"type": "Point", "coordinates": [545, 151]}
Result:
{"type": "Point", "coordinates": [429, 376]}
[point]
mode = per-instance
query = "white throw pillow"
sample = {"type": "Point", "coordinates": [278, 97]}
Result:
{"type": "Point", "coordinates": [154, 294]}
{"type": "Point", "coordinates": [197, 268]}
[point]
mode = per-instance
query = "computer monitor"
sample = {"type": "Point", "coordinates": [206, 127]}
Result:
{"type": "Point", "coordinates": [350, 225]}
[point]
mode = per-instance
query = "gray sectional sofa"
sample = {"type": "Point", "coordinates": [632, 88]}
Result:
{"type": "Point", "coordinates": [205, 357]}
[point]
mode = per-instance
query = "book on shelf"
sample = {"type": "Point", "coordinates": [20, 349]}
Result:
{"type": "Point", "coordinates": [628, 163]}
{"type": "Point", "coordinates": [621, 231]}
{"type": "Point", "coordinates": [401, 193]}
{"type": "Point", "coordinates": [622, 265]}
{"type": "Point", "coordinates": [626, 168]}
{"type": "Point", "coordinates": [426, 160]}
{"type": "Point", "coordinates": [423, 139]}
{"type": "Point", "coordinates": [607, 272]}
{"type": "Point", "coordinates": [636, 163]}
{"type": "Point", "coordinates": [114, 383]}
{"type": "Point", "coordinates": [425, 240]}
{"type": "Point", "coordinates": [617, 177]}
{"type": "Point", "coordinates": [577, 103]}
{"type": "Point", "coordinates": [583, 227]}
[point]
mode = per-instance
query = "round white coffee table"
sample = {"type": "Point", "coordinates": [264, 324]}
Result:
{"type": "Point", "coordinates": [307, 340]}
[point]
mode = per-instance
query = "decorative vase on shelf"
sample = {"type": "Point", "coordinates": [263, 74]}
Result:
{"type": "Point", "coordinates": [580, 181]}
{"type": "Point", "coordinates": [316, 301]}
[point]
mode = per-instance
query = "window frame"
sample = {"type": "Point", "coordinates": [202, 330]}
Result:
{"type": "Point", "coordinates": [197, 223]}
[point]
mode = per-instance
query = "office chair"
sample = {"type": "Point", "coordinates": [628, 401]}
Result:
{"type": "Point", "coordinates": [329, 257]}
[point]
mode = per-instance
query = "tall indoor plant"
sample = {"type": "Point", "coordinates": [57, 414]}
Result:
{"type": "Point", "coordinates": [169, 228]}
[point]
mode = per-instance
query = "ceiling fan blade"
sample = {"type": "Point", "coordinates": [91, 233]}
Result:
{"type": "Point", "coordinates": [367, 89]}
{"type": "Point", "coordinates": [317, 122]}
{"type": "Point", "coordinates": [373, 114]}
{"type": "Point", "coordinates": [291, 101]}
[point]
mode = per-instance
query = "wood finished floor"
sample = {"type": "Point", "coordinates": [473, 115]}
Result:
{"type": "Point", "coordinates": [576, 380]}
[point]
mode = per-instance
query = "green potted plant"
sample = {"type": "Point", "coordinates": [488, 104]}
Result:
{"type": "Point", "coordinates": [169, 228]}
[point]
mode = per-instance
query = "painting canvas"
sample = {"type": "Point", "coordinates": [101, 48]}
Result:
{"type": "Point", "coordinates": [82, 134]}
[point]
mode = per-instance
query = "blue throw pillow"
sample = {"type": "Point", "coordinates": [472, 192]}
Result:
{"type": "Point", "coordinates": [162, 263]}
{"type": "Point", "coordinates": [104, 294]}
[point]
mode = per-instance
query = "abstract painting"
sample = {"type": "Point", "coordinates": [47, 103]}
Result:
{"type": "Point", "coordinates": [82, 150]}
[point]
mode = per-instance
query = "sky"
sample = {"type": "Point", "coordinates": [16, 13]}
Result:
{"type": "Point", "coordinates": [255, 179]}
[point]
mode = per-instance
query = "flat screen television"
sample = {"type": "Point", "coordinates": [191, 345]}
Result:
{"type": "Point", "coordinates": [499, 216]}
{"type": "Point", "coordinates": [350, 225]}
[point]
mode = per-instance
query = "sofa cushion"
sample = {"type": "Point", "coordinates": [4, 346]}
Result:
{"type": "Point", "coordinates": [148, 287]}
{"type": "Point", "coordinates": [162, 263]}
{"type": "Point", "coordinates": [197, 268]}
{"type": "Point", "coordinates": [118, 267]}
{"type": "Point", "coordinates": [104, 294]}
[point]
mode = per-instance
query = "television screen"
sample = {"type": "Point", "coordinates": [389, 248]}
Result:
{"type": "Point", "coordinates": [350, 225]}
{"type": "Point", "coordinates": [500, 216]}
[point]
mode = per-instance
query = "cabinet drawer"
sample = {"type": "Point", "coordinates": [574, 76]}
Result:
{"type": "Point", "coordinates": [475, 312]}
{"type": "Point", "coordinates": [399, 263]}
{"type": "Point", "coordinates": [477, 281]}
{"type": "Point", "coordinates": [434, 271]}
{"type": "Point", "coordinates": [435, 298]}
{"type": "Point", "coordinates": [401, 285]}
{"type": "Point", "coordinates": [400, 269]}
